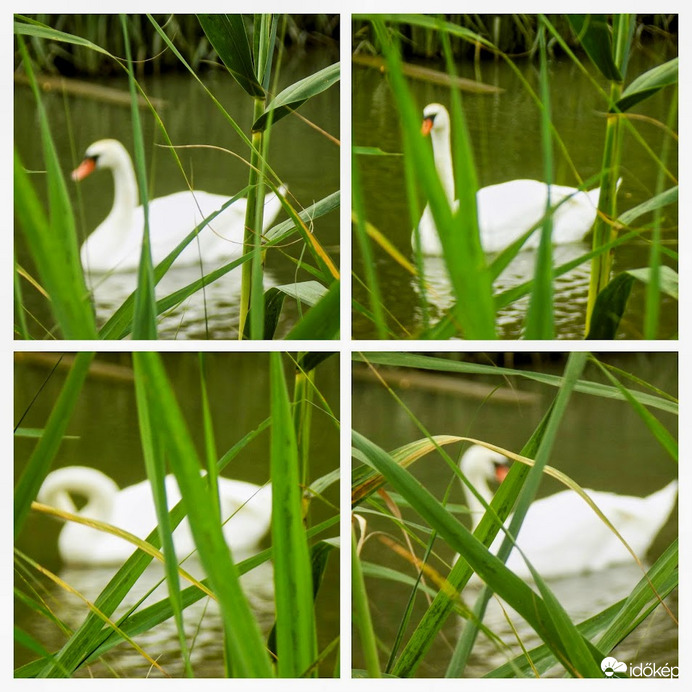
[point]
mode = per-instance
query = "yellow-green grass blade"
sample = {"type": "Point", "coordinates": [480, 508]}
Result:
{"type": "Point", "coordinates": [296, 641]}
{"type": "Point", "coordinates": [242, 639]}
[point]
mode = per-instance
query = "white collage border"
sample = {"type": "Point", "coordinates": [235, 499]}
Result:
{"type": "Point", "coordinates": [345, 345]}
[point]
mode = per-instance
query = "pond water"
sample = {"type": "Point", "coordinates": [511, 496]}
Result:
{"type": "Point", "coordinates": [103, 433]}
{"type": "Point", "coordinates": [191, 118]}
{"type": "Point", "coordinates": [602, 444]}
{"type": "Point", "coordinates": [505, 133]}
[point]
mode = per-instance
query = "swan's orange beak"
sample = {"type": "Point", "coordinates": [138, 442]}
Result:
{"type": "Point", "coordinates": [427, 126]}
{"type": "Point", "coordinates": [501, 471]}
{"type": "Point", "coordinates": [84, 169]}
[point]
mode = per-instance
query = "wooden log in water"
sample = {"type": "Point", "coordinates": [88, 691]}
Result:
{"type": "Point", "coordinates": [427, 74]}
{"type": "Point", "coordinates": [85, 89]}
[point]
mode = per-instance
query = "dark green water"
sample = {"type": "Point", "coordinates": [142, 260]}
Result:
{"type": "Point", "coordinates": [602, 444]}
{"type": "Point", "coordinates": [104, 434]}
{"type": "Point", "coordinates": [505, 133]}
{"type": "Point", "coordinates": [306, 160]}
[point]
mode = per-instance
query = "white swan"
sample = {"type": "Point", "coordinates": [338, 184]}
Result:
{"type": "Point", "coordinates": [132, 509]}
{"type": "Point", "coordinates": [507, 210]}
{"type": "Point", "coordinates": [561, 534]}
{"type": "Point", "coordinates": [116, 243]}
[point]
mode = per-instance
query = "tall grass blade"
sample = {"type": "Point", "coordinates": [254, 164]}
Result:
{"type": "Point", "coordinates": [539, 318]}
{"type": "Point", "coordinates": [156, 472]}
{"type": "Point", "coordinates": [603, 233]}
{"type": "Point", "coordinates": [296, 639]}
{"type": "Point", "coordinates": [53, 241]}
{"type": "Point", "coordinates": [144, 320]}
{"type": "Point", "coordinates": [243, 642]}
{"type": "Point", "coordinates": [361, 236]}
{"type": "Point", "coordinates": [361, 614]}
{"type": "Point", "coordinates": [458, 232]}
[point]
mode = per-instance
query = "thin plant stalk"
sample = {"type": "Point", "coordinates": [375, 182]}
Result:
{"type": "Point", "coordinates": [363, 619]}
{"type": "Point", "coordinates": [603, 231]}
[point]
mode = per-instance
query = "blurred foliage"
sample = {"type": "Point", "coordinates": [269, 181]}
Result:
{"type": "Point", "coordinates": [513, 34]}
{"type": "Point", "coordinates": [299, 32]}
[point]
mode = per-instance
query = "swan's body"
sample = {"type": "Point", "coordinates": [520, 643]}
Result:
{"type": "Point", "coordinates": [132, 509]}
{"type": "Point", "coordinates": [116, 243]}
{"type": "Point", "coordinates": [561, 534]}
{"type": "Point", "coordinates": [506, 210]}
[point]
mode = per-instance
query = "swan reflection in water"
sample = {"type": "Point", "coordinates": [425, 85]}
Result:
{"type": "Point", "coordinates": [93, 557]}
{"type": "Point", "coordinates": [211, 312]}
{"type": "Point", "coordinates": [570, 290]}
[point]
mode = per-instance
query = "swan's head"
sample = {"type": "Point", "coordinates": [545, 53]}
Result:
{"type": "Point", "coordinates": [435, 119]}
{"type": "Point", "coordinates": [480, 464]}
{"type": "Point", "coordinates": [106, 153]}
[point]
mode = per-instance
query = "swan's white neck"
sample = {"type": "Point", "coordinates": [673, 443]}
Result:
{"type": "Point", "coordinates": [476, 507]}
{"type": "Point", "coordinates": [125, 195]}
{"type": "Point", "coordinates": [96, 487]}
{"type": "Point", "coordinates": [442, 153]}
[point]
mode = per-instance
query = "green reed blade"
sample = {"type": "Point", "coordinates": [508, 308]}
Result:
{"type": "Point", "coordinates": [296, 638]}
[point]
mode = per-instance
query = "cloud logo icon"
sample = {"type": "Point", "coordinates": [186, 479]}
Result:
{"type": "Point", "coordinates": [611, 665]}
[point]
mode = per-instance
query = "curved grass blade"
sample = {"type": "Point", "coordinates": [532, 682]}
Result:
{"type": "Point", "coordinates": [294, 96]}
{"type": "Point", "coordinates": [647, 84]}
{"type": "Point", "coordinates": [322, 321]}
{"type": "Point", "coordinates": [243, 642]}
{"type": "Point", "coordinates": [504, 582]}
